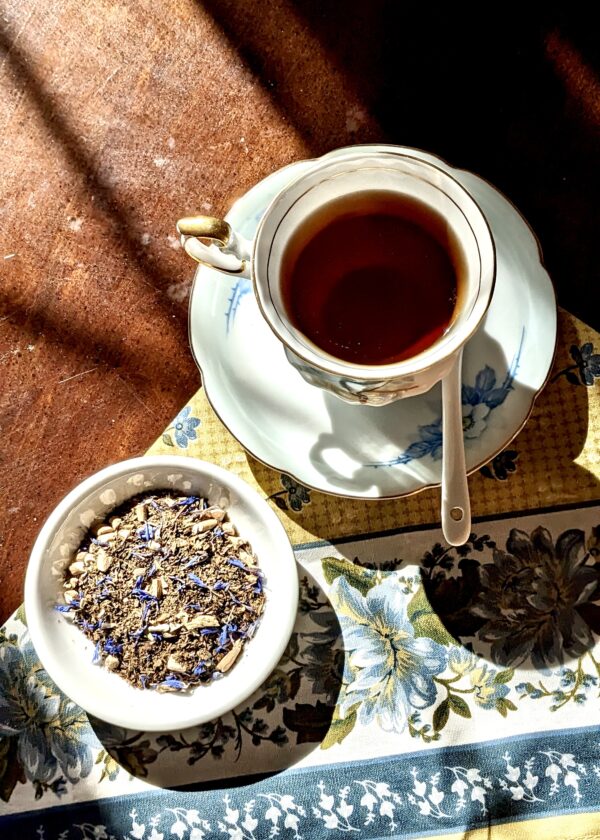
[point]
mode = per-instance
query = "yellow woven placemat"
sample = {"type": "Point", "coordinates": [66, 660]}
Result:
{"type": "Point", "coordinates": [554, 460]}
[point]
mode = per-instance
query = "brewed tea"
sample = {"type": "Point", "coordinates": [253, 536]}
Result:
{"type": "Point", "coordinates": [372, 278]}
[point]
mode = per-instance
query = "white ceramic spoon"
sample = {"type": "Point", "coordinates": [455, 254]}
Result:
{"type": "Point", "coordinates": [456, 506]}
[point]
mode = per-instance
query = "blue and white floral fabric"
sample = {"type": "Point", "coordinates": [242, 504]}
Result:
{"type": "Point", "coordinates": [425, 690]}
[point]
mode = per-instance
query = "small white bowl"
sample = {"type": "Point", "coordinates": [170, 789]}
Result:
{"type": "Point", "coordinates": [67, 654]}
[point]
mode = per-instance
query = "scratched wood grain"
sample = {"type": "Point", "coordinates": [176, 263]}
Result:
{"type": "Point", "coordinates": [116, 118]}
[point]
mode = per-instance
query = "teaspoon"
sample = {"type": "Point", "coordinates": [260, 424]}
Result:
{"type": "Point", "coordinates": [456, 506]}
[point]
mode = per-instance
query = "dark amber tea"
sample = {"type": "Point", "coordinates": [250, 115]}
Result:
{"type": "Point", "coordinates": [372, 278]}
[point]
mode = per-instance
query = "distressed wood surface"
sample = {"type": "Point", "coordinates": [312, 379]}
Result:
{"type": "Point", "coordinates": [117, 118]}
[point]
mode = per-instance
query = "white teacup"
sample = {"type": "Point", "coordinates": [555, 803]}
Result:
{"type": "Point", "coordinates": [402, 174]}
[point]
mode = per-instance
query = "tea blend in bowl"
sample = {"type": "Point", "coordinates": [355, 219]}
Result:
{"type": "Point", "coordinates": [167, 591]}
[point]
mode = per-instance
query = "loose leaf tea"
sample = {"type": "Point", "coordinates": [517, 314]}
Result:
{"type": "Point", "coordinates": [167, 591]}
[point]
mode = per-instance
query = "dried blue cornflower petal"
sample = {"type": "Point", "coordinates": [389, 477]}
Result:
{"type": "Point", "coordinates": [223, 636]}
{"type": "Point", "coordinates": [96, 656]}
{"type": "Point", "coordinates": [173, 682]}
{"type": "Point", "coordinates": [259, 586]}
{"type": "Point", "coordinates": [217, 532]}
{"type": "Point", "coordinates": [143, 595]}
{"type": "Point", "coordinates": [199, 669]}
{"type": "Point", "coordinates": [201, 557]}
{"type": "Point", "coordinates": [241, 603]}
{"type": "Point", "coordinates": [184, 502]}
{"type": "Point", "coordinates": [146, 532]}
{"type": "Point", "coordinates": [90, 625]}
{"type": "Point", "coordinates": [219, 585]}
{"type": "Point", "coordinates": [104, 579]}
{"type": "Point", "coordinates": [137, 634]}
{"type": "Point", "coordinates": [233, 561]}
{"type": "Point", "coordinates": [195, 579]}
{"type": "Point", "coordinates": [110, 646]}
{"type": "Point", "coordinates": [144, 680]}
{"type": "Point", "coordinates": [209, 631]}
{"type": "Point", "coordinates": [65, 608]}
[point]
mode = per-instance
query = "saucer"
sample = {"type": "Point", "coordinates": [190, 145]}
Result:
{"type": "Point", "coordinates": [365, 451]}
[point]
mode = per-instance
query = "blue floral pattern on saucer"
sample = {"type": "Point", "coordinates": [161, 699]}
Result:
{"type": "Point", "coordinates": [239, 290]}
{"type": "Point", "coordinates": [478, 401]}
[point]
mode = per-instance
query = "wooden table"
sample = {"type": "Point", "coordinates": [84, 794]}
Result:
{"type": "Point", "coordinates": [117, 118]}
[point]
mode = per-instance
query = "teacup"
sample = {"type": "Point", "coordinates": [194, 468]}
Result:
{"type": "Point", "coordinates": [403, 176]}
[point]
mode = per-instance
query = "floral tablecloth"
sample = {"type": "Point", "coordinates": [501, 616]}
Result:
{"type": "Point", "coordinates": [426, 691]}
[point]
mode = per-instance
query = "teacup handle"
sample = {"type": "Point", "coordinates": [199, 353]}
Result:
{"type": "Point", "coordinates": [227, 251]}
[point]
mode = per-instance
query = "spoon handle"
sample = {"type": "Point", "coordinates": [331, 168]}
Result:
{"type": "Point", "coordinates": [456, 506]}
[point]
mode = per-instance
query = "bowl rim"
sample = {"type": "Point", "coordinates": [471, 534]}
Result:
{"type": "Point", "coordinates": [35, 609]}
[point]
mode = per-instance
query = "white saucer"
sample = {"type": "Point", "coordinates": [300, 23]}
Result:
{"type": "Point", "coordinates": [362, 451]}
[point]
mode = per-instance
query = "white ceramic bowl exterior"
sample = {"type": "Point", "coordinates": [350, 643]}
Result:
{"type": "Point", "coordinates": [67, 654]}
